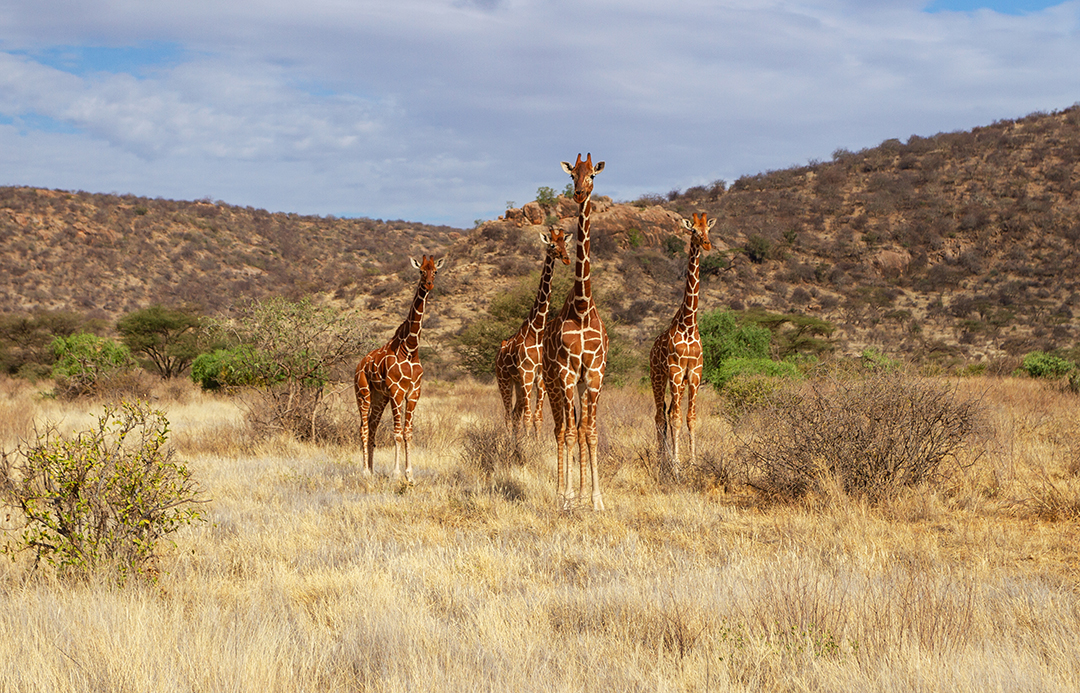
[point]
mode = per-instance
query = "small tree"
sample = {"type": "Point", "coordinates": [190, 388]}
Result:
{"type": "Point", "coordinates": [25, 340]}
{"type": "Point", "coordinates": [104, 497]}
{"type": "Point", "coordinates": [167, 337]}
{"type": "Point", "coordinates": [294, 351]}
{"type": "Point", "coordinates": [85, 361]}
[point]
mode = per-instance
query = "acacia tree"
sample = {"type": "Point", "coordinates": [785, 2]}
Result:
{"type": "Point", "coordinates": [166, 337]}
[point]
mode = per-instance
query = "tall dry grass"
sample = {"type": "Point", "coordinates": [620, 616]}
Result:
{"type": "Point", "coordinates": [310, 577]}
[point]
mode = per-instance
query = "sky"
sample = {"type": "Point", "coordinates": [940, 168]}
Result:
{"type": "Point", "coordinates": [448, 111]}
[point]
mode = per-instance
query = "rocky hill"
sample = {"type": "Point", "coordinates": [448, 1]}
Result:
{"type": "Point", "coordinates": [955, 248]}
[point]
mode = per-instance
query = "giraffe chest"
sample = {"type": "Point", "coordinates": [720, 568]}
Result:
{"type": "Point", "coordinates": [387, 368]}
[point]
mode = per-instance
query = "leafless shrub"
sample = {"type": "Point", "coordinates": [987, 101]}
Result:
{"type": "Point", "coordinates": [866, 437]}
{"type": "Point", "coordinates": [493, 449]}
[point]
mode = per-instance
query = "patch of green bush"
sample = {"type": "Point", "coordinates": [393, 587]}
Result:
{"type": "Point", "coordinates": [101, 499]}
{"type": "Point", "coordinates": [236, 367]}
{"type": "Point", "coordinates": [1039, 364]}
{"type": "Point", "coordinates": [85, 361]}
{"type": "Point", "coordinates": [731, 369]}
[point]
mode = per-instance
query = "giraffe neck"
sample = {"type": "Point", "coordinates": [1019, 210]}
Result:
{"type": "Point", "coordinates": [407, 337]}
{"type": "Point", "coordinates": [538, 314]}
{"type": "Point", "coordinates": [687, 315]}
{"type": "Point", "coordinates": [582, 296]}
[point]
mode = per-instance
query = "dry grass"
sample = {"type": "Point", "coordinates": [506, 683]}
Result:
{"type": "Point", "coordinates": [309, 577]}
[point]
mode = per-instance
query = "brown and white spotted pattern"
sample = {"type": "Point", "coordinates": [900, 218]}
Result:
{"type": "Point", "coordinates": [392, 375]}
{"type": "Point", "coordinates": [575, 355]}
{"type": "Point", "coordinates": [517, 366]}
{"type": "Point", "coordinates": [675, 361]}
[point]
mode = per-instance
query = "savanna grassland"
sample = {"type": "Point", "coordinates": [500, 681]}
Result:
{"type": "Point", "coordinates": [307, 576]}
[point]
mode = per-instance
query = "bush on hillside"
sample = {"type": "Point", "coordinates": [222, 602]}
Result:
{"type": "Point", "coordinates": [234, 367]}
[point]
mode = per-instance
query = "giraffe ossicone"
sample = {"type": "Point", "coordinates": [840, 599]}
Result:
{"type": "Point", "coordinates": [575, 356]}
{"type": "Point", "coordinates": [392, 374]}
{"type": "Point", "coordinates": [676, 359]}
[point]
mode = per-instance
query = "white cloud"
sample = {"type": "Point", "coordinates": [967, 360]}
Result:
{"type": "Point", "coordinates": [444, 109]}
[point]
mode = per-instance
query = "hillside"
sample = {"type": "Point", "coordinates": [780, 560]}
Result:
{"type": "Point", "coordinates": [955, 248]}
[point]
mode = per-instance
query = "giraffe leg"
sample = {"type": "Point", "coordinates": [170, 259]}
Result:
{"type": "Point", "coordinates": [525, 393]}
{"type": "Point", "coordinates": [378, 403]}
{"type": "Point", "coordinates": [559, 419]}
{"type": "Point", "coordinates": [363, 403]}
{"type": "Point", "coordinates": [673, 416]}
{"type": "Point", "coordinates": [397, 408]}
{"type": "Point", "coordinates": [506, 390]}
{"type": "Point", "coordinates": [538, 415]}
{"type": "Point", "coordinates": [573, 421]}
{"type": "Point", "coordinates": [584, 456]}
{"type": "Point", "coordinates": [410, 406]}
{"type": "Point", "coordinates": [520, 407]}
{"type": "Point", "coordinates": [658, 375]}
{"type": "Point", "coordinates": [691, 410]}
{"type": "Point", "coordinates": [589, 431]}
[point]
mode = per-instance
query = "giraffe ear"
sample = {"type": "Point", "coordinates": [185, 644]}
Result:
{"type": "Point", "coordinates": [440, 262]}
{"type": "Point", "coordinates": [567, 167]}
{"type": "Point", "coordinates": [712, 223]}
{"type": "Point", "coordinates": [687, 225]}
{"type": "Point", "coordinates": [414, 262]}
{"type": "Point", "coordinates": [599, 168]}
{"type": "Point", "coordinates": [545, 237]}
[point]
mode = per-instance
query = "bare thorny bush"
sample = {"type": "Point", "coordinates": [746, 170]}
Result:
{"type": "Point", "coordinates": [493, 449]}
{"type": "Point", "coordinates": [866, 437]}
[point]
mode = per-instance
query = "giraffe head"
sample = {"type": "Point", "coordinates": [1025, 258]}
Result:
{"type": "Point", "coordinates": [699, 230]}
{"type": "Point", "coordinates": [428, 266]}
{"type": "Point", "coordinates": [583, 173]}
{"type": "Point", "coordinates": [555, 240]}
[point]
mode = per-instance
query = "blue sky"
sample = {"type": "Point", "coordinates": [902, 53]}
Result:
{"type": "Point", "coordinates": [444, 110]}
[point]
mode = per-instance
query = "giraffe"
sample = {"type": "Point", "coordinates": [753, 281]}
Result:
{"type": "Point", "coordinates": [391, 375]}
{"type": "Point", "coordinates": [517, 366]}
{"type": "Point", "coordinates": [676, 356]}
{"type": "Point", "coordinates": [575, 354]}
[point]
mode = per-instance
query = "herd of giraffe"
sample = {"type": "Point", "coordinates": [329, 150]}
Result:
{"type": "Point", "coordinates": [564, 356]}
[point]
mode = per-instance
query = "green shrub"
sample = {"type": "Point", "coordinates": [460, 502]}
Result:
{"type": "Point", "coordinates": [723, 337]}
{"type": "Point", "coordinates": [713, 264]}
{"type": "Point", "coordinates": [745, 393]}
{"type": "Point", "coordinates": [545, 196]}
{"type": "Point", "coordinates": [102, 498]}
{"type": "Point", "coordinates": [236, 367]}
{"type": "Point", "coordinates": [757, 249]}
{"type": "Point", "coordinates": [84, 361]}
{"type": "Point", "coordinates": [730, 369]}
{"type": "Point", "coordinates": [873, 360]}
{"type": "Point", "coordinates": [1039, 364]}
